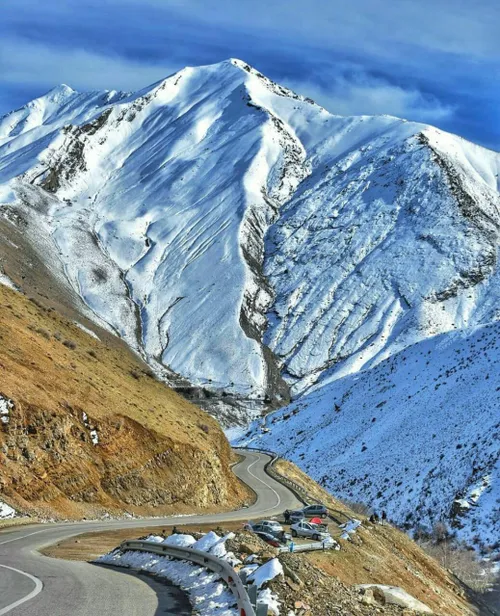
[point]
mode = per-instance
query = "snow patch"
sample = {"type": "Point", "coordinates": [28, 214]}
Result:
{"type": "Point", "coordinates": [7, 282]}
{"type": "Point", "coordinates": [271, 600]}
{"type": "Point", "coordinates": [6, 511]}
{"type": "Point", "coordinates": [94, 436]}
{"type": "Point", "coordinates": [6, 406]}
{"type": "Point", "coordinates": [86, 330]}
{"type": "Point", "coordinates": [266, 572]}
{"type": "Point", "coordinates": [181, 541]}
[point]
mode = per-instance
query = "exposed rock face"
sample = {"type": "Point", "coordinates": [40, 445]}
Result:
{"type": "Point", "coordinates": [89, 430]}
{"type": "Point", "coordinates": [292, 242]}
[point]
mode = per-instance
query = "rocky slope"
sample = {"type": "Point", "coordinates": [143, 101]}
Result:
{"type": "Point", "coordinates": [416, 436]}
{"type": "Point", "coordinates": [374, 554]}
{"type": "Point", "coordinates": [290, 240]}
{"type": "Point", "coordinates": [85, 429]}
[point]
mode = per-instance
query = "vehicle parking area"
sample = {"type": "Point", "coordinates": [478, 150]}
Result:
{"type": "Point", "coordinates": [294, 528]}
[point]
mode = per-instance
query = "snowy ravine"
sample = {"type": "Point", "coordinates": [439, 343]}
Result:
{"type": "Point", "coordinates": [244, 237]}
{"type": "Point", "coordinates": [417, 436]}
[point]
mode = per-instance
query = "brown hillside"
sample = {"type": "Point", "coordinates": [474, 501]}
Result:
{"type": "Point", "coordinates": [156, 453]}
{"type": "Point", "coordinates": [381, 554]}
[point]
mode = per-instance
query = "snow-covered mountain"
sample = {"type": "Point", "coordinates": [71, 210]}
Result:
{"type": "Point", "coordinates": [245, 238]}
{"type": "Point", "coordinates": [417, 436]}
{"type": "Point", "coordinates": [250, 246]}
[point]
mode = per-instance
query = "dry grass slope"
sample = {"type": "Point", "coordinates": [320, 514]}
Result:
{"type": "Point", "coordinates": [156, 453]}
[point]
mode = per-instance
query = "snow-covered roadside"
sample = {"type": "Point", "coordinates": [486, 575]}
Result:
{"type": "Point", "coordinates": [209, 596]}
{"type": "Point", "coordinates": [6, 511]}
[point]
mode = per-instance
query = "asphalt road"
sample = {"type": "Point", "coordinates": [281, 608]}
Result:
{"type": "Point", "coordinates": [35, 585]}
{"type": "Point", "coordinates": [492, 599]}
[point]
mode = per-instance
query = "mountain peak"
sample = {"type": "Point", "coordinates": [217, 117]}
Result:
{"type": "Point", "coordinates": [59, 92]}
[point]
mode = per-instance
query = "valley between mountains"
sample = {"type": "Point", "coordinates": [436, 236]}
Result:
{"type": "Point", "coordinates": [260, 255]}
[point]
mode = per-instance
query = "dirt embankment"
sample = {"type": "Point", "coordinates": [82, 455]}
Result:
{"type": "Point", "coordinates": [90, 430]}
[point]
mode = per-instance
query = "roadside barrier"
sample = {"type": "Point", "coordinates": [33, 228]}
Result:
{"type": "Point", "coordinates": [215, 564]}
{"type": "Point", "coordinates": [308, 547]}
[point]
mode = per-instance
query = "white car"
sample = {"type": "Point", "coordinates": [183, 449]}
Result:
{"type": "Point", "coordinates": [271, 525]}
{"type": "Point", "coordinates": [304, 529]}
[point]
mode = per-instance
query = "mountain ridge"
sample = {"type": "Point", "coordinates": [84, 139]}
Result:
{"type": "Point", "coordinates": [188, 203]}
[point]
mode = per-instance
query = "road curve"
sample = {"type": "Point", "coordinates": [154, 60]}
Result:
{"type": "Point", "coordinates": [32, 584]}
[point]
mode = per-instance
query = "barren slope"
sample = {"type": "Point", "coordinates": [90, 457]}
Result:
{"type": "Point", "coordinates": [88, 428]}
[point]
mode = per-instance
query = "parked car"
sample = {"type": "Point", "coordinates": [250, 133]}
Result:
{"type": "Point", "coordinates": [293, 516]}
{"type": "Point", "coordinates": [304, 529]}
{"type": "Point", "coordinates": [268, 526]}
{"type": "Point", "coordinates": [270, 539]}
{"type": "Point", "coordinates": [312, 511]}
{"type": "Point", "coordinates": [281, 535]}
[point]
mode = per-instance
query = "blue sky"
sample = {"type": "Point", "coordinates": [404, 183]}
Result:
{"type": "Point", "coordinates": [435, 61]}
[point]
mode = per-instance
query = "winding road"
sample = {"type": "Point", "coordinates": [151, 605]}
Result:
{"type": "Point", "coordinates": [35, 585]}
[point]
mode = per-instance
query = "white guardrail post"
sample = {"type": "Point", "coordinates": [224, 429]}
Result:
{"type": "Point", "coordinates": [217, 565]}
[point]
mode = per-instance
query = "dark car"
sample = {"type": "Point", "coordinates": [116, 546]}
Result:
{"type": "Point", "coordinates": [312, 511]}
{"type": "Point", "coordinates": [293, 516]}
{"type": "Point", "coordinates": [273, 529]}
{"type": "Point", "coordinates": [270, 539]}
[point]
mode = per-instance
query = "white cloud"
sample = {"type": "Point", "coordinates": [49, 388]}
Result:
{"type": "Point", "coordinates": [458, 27]}
{"type": "Point", "coordinates": [362, 95]}
{"type": "Point", "coordinates": [39, 65]}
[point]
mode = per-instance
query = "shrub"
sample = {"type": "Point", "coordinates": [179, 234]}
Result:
{"type": "Point", "coordinates": [43, 332]}
{"type": "Point", "coordinates": [70, 344]}
{"type": "Point", "coordinates": [37, 303]}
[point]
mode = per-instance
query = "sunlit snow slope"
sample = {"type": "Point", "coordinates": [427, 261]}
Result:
{"type": "Point", "coordinates": [417, 436]}
{"type": "Point", "coordinates": [241, 235]}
